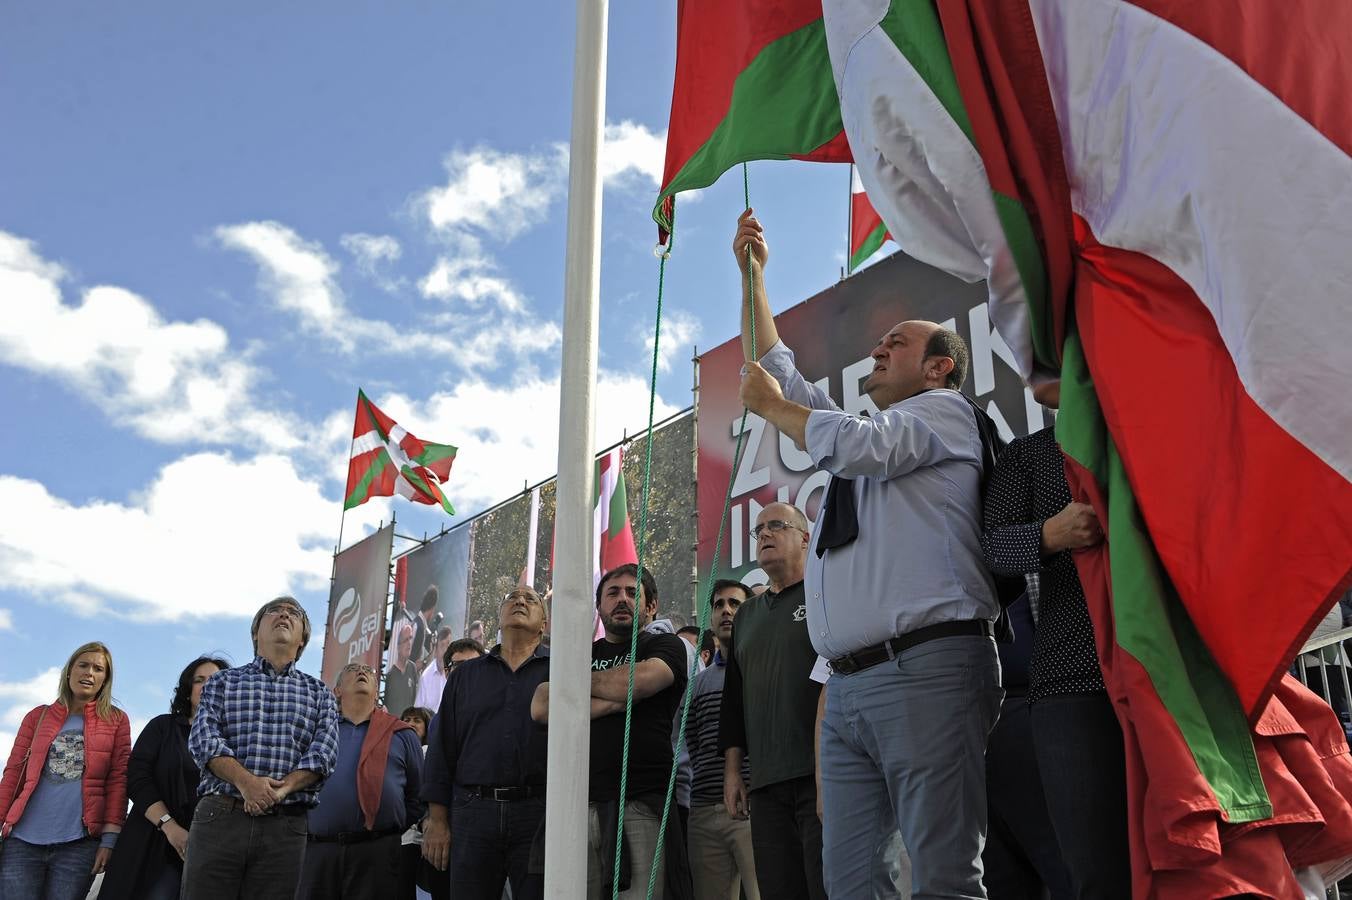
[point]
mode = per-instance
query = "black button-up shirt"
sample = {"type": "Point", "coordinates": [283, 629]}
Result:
{"type": "Point", "coordinates": [483, 733]}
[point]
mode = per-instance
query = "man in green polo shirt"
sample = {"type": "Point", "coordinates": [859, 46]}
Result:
{"type": "Point", "coordinates": [769, 710]}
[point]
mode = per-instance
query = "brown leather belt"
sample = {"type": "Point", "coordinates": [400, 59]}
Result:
{"type": "Point", "coordinates": [860, 660]}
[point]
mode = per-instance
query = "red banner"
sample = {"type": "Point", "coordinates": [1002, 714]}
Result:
{"type": "Point", "coordinates": [831, 335]}
{"type": "Point", "coordinates": [355, 630]}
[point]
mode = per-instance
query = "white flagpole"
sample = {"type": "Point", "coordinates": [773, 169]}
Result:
{"type": "Point", "coordinates": [532, 536]}
{"type": "Point", "coordinates": [571, 632]}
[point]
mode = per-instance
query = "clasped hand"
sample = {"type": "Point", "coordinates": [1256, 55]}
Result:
{"type": "Point", "coordinates": [262, 794]}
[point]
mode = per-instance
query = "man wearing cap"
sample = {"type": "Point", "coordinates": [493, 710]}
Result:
{"type": "Point", "coordinates": [898, 598]}
{"type": "Point", "coordinates": [368, 801]}
{"type": "Point", "coordinates": [265, 737]}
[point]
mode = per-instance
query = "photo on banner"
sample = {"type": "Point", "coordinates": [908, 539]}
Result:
{"type": "Point", "coordinates": [832, 335]}
{"type": "Point", "coordinates": [354, 632]}
{"type": "Point", "coordinates": [430, 589]}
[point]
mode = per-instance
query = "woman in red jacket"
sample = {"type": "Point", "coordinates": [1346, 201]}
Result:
{"type": "Point", "coordinates": [63, 796]}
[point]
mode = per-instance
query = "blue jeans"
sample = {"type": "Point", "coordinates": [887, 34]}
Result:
{"type": "Point", "coordinates": [903, 766]}
{"type": "Point", "coordinates": [490, 844]}
{"type": "Point", "coordinates": [46, 871]}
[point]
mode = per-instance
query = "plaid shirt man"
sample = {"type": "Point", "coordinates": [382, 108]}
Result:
{"type": "Point", "coordinates": [272, 722]}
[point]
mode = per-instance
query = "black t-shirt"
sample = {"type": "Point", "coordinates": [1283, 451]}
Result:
{"type": "Point", "coordinates": [650, 750]}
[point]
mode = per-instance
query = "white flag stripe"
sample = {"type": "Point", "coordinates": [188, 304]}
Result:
{"type": "Point", "coordinates": [1257, 202]}
{"type": "Point", "coordinates": [366, 443]}
{"type": "Point", "coordinates": [922, 174]}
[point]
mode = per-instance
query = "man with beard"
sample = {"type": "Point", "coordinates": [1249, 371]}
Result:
{"type": "Point", "coordinates": [659, 682]}
{"type": "Point", "coordinates": [401, 678]}
{"type": "Point", "coordinates": [720, 844]}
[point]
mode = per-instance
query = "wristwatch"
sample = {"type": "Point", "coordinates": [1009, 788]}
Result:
{"type": "Point", "coordinates": [162, 821]}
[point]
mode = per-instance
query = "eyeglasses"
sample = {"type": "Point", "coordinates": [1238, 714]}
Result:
{"type": "Point", "coordinates": [528, 596]}
{"type": "Point", "coordinates": [358, 667]}
{"type": "Point", "coordinates": [773, 525]}
{"type": "Point", "coordinates": [280, 608]}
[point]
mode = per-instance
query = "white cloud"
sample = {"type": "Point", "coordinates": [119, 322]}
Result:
{"type": "Point", "coordinates": [210, 536]}
{"type": "Point", "coordinates": [170, 381]}
{"type": "Point", "coordinates": [629, 148]}
{"type": "Point", "coordinates": [473, 280]}
{"type": "Point", "coordinates": [680, 330]}
{"type": "Point", "coordinates": [371, 252]}
{"type": "Point", "coordinates": [509, 433]}
{"type": "Point", "coordinates": [370, 249]}
{"type": "Point", "coordinates": [296, 273]}
{"type": "Point", "coordinates": [301, 278]}
{"type": "Point", "coordinates": [18, 697]}
{"type": "Point", "coordinates": [6, 620]}
{"type": "Point", "coordinates": [500, 193]}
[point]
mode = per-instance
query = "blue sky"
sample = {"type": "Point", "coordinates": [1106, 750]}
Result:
{"type": "Point", "coordinates": [217, 223]}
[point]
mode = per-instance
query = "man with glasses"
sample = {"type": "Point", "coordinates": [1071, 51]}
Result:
{"type": "Point", "coordinates": [368, 802]}
{"type": "Point", "coordinates": [485, 775]}
{"type": "Point", "coordinates": [265, 737]}
{"type": "Point", "coordinates": [769, 707]}
{"type": "Point", "coordinates": [899, 599]}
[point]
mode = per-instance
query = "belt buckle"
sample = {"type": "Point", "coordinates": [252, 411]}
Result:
{"type": "Point", "coordinates": [501, 794]}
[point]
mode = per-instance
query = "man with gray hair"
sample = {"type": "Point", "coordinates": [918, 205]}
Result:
{"type": "Point", "coordinates": [265, 737]}
{"type": "Point", "coordinates": [898, 598]}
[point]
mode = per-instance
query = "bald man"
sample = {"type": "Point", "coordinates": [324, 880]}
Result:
{"type": "Point", "coordinates": [899, 601]}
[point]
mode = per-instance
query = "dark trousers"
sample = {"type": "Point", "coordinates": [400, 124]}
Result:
{"type": "Point", "coordinates": [46, 871]}
{"type": "Point", "coordinates": [235, 856]}
{"type": "Point", "coordinates": [490, 844]}
{"type": "Point", "coordinates": [364, 871]}
{"type": "Point", "coordinates": [786, 840]}
{"type": "Point", "coordinates": [1022, 858]}
{"type": "Point", "coordinates": [1078, 744]}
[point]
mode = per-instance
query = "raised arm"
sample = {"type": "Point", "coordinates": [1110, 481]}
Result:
{"type": "Point", "coordinates": [751, 234]}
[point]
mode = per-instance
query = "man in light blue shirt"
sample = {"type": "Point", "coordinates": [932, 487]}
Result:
{"type": "Point", "coordinates": [898, 600]}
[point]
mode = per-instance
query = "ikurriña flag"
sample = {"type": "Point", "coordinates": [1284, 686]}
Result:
{"type": "Point", "coordinates": [387, 460]}
{"type": "Point", "coordinates": [1157, 200]}
{"type": "Point", "coordinates": [611, 528]}
{"type": "Point", "coordinates": [753, 81]}
{"type": "Point", "coordinates": [868, 232]}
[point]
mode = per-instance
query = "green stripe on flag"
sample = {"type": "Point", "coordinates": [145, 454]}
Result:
{"type": "Point", "coordinates": [619, 506]}
{"type": "Point", "coordinates": [791, 73]}
{"type": "Point", "coordinates": [869, 246]}
{"type": "Point", "coordinates": [1150, 622]}
{"type": "Point", "coordinates": [361, 492]}
{"type": "Point", "coordinates": [914, 26]}
{"type": "Point", "coordinates": [434, 453]}
{"type": "Point", "coordinates": [427, 489]}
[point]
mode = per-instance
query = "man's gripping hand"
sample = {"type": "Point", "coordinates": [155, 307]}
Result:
{"type": "Point", "coordinates": [759, 391]}
{"type": "Point", "coordinates": [750, 234]}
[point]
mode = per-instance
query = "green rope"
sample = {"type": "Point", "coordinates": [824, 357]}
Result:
{"type": "Point", "coordinates": [662, 255]}
{"type": "Point", "coordinates": [706, 605]}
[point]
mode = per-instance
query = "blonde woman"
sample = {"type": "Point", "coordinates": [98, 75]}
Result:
{"type": "Point", "coordinates": [63, 796]}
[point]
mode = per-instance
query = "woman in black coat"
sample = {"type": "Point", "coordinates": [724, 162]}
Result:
{"type": "Point", "coordinates": [162, 784]}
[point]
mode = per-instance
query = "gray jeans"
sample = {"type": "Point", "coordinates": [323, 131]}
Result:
{"type": "Point", "coordinates": [233, 855]}
{"type": "Point", "coordinates": [903, 765]}
{"type": "Point", "coordinates": [640, 833]}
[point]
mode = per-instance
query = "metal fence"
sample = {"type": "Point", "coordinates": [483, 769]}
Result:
{"type": "Point", "coordinates": [1322, 666]}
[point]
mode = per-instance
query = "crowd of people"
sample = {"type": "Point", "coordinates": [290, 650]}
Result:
{"type": "Point", "coordinates": [855, 729]}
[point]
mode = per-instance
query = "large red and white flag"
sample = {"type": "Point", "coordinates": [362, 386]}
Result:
{"type": "Point", "coordinates": [1157, 198]}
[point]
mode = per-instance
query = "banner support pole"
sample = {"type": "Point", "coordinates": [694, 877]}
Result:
{"type": "Point", "coordinates": [571, 632]}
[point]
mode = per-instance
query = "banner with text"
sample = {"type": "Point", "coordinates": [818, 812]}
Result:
{"type": "Point", "coordinates": [832, 335]}
{"type": "Point", "coordinates": [430, 588]}
{"type": "Point", "coordinates": [354, 632]}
